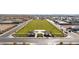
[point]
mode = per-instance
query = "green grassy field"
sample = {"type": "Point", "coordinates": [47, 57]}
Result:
{"type": "Point", "coordinates": [39, 25]}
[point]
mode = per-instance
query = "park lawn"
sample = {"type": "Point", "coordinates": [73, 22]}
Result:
{"type": "Point", "coordinates": [39, 25]}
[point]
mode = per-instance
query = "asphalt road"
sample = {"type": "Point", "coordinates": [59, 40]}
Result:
{"type": "Point", "coordinates": [72, 37]}
{"type": "Point", "coordinates": [6, 34]}
{"type": "Point", "coordinates": [39, 40]}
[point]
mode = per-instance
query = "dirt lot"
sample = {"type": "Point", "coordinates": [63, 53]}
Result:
{"type": "Point", "coordinates": [6, 27]}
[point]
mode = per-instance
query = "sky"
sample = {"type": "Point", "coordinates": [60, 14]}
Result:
{"type": "Point", "coordinates": [39, 7]}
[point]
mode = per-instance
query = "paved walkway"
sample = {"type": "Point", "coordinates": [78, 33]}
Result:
{"type": "Point", "coordinates": [72, 37]}
{"type": "Point", "coordinates": [58, 26]}
{"type": "Point", "coordinates": [14, 29]}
